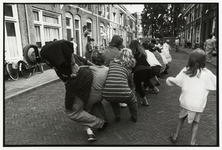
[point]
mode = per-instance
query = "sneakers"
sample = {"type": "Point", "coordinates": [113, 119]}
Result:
{"type": "Point", "coordinates": [154, 90]}
{"type": "Point", "coordinates": [91, 137]}
{"type": "Point", "coordinates": [134, 119]}
{"type": "Point", "coordinates": [105, 124]}
{"type": "Point", "coordinates": [123, 105]}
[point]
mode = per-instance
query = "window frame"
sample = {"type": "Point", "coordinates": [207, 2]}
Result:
{"type": "Point", "coordinates": [42, 24]}
{"type": "Point", "coordinates": [15, 21]}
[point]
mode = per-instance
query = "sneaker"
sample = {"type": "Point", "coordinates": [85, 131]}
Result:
{"type": "Point", "coordinates": [105, 124]}
{"type": "Point", "coordinates": [91, 137]}
{"type": "Point", "coordinates": [134, 119]}
{"type": "Point", "coordinates": [123, 105]}
{"type": "Point", "coordinates": [154, 90]}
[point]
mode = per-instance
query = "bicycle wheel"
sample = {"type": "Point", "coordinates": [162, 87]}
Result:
{"type": "Point", "coordinates": [13, 73]}
{"type": "Point", "coordinates": [24, 69]}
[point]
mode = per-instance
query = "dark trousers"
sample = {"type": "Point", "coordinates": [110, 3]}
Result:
{"type": "Point", "coordinates": [155, 72]}
{"type": "Point", "coordinates": [142, 76]}
{"type": "Point", "coordinates": [131, 101]}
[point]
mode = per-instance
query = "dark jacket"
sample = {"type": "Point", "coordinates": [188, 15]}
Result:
{"type": "Point", "coordinates": [58, 55]}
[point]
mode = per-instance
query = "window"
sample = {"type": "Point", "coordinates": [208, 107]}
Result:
{"type": "Point", "coordinates": [47, 26]}
{"type": "Point", "coordinates": [36, 16]}
{"type": "Point", "coordinates": [13, 47]}
{"type": "Point", "coordinates": [69, 26]}
{"type": "Point", "coordinates": [8, 10]}
{"type": "Point", "coordinates": [78, 34]}
{"type": "Point", "coordinates": [90, 7]}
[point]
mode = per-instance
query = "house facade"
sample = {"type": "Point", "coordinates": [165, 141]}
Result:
{"type": "Point", "coordinates": [40, 24]}
{"type": "Point", "coordinates": [200, 20]}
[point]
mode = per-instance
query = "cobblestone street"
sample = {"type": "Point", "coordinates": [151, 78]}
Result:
{"type": "Point", "coordinates": [37, 118]}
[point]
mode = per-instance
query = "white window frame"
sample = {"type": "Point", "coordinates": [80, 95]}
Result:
{"type": "Point", "coordinates": [14, 20]}
{"type": "Point", "coordinates": [43, 24]}
{"type": "Point", "coordinates": [68, 15]}
{"type": "Point", "coordinates": [76, 17]}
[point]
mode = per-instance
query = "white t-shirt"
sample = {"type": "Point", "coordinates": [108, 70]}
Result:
{"type": "Point", "coordinates": [195, 90]}
{"type": "Point", "coordinates": [151, 59]}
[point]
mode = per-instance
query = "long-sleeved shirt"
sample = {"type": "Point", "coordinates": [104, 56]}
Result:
{"type": "Point", "coordinates": [116, 84]}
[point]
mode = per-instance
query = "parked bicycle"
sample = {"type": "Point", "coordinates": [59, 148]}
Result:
{"type": "Point", "coordinates": [11, 69]}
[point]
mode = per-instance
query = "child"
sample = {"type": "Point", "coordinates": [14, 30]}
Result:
{"type": "Point", "coordinates": [116, 89]}
{"type": "Point", "coordinates": [195, 81]}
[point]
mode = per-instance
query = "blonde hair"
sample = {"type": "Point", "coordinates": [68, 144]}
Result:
{"type": "Point", "coordinates": [126, 58]}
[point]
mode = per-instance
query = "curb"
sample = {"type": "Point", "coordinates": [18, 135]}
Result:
{"type": "Point", "coordinates": [31, 88]}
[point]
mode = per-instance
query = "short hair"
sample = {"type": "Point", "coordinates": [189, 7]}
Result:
{"type": "Point", "coordinates": [97, 57]}
{"type": "Point", "coordinates": [116, 41]}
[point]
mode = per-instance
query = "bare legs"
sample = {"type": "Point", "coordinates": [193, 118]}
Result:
{"type": "Point", "coordinates": [194, 130]}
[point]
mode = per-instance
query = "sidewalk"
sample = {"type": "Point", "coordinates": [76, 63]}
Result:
{"type": "Point", "coordinates": [14, 88]}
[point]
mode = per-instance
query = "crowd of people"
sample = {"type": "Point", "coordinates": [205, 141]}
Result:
{"type": "Point", "coordinates": [114, 75]}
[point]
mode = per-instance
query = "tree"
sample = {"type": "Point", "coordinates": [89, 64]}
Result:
{"type": "Point", "coordinates": [153, 18]}
{"type": "Point", "coordinates": [161, 19]}
{"type": "Point", "coordinates": [176, 15]}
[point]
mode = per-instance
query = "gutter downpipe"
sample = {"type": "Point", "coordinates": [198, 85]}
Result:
{"type": "Point", "coordinates": [26, 14]}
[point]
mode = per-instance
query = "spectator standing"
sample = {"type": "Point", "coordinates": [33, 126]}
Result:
{"type": "Point", "coordinates": [177, 42]}
{"type": "Point", "coordinates": [195, 81]}
{"type": "Point", "coordinates": [89, 49]}
{"type": "Point", "coordinates": [210, 46]}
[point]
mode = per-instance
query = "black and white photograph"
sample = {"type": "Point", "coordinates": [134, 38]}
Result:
{"type": "Point", "coordinates": [110, 74]}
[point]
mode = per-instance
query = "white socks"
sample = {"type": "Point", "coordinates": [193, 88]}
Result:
{"type": "Point", "coordinates": [89, 131]}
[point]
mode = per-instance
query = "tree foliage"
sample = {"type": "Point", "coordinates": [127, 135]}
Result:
{"type": "Point", "coordinates": [158, 18]}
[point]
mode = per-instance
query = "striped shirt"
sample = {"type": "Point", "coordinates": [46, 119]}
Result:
{"type": "Point", "coordinates": [117, 81]}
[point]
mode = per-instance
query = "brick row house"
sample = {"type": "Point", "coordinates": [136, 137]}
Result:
{"type": "Point", "coordinates": [40, 24]}
{"type": "Point", "coordinates": [200, 20]}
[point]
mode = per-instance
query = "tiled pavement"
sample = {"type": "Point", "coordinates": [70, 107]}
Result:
{"type": "Point", "coordinates": [46, 123]}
